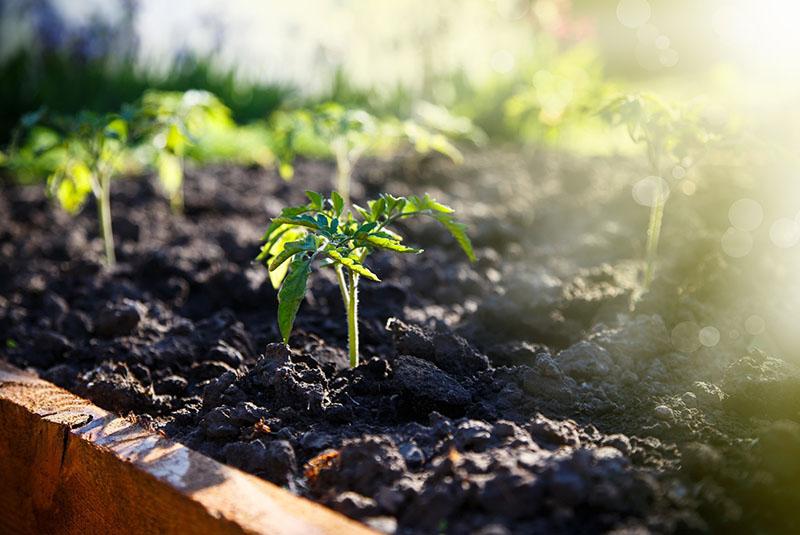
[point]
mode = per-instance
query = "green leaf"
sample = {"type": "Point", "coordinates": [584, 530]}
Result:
{"type": "Point", "coordinates": [364, 213]}
{"type": "Point", "coordinates": [291, 294]}
{"type": "Point", "coordinates": [286, 170]}
{"type": "Point", "coordinates": [291, 211]}
{"type": "Point", "coordinates": [459, 232]}
{"type": "Point", "coordinates": [176, 140]}
{"type": "Point", "coordinates": [290, 249]}
{"type": "Point", "coordinates": [116, 129]}
{"type": "Point", "coordinates": [274, 246]}
{"type": "Point", "coordinates": [315, 198]}
{"type": "Point", "coordinates": [437, 206]}
{"type": "Point", "coordinates": [299, 221]}
{"type": "Point", "coordinates": [388, 233]}
{"type": "Point", "coordinates": [170, 173]}
{"type": "Point", "coordinates": [442, 145]}
{"type": "Point", "coordinates": [366, 227]}
{"type": "Point", "coordinates": [420, 204]}
{"type": "Point", "coordinates": [390, 244]}
{"type": "Point", "coordinates": [338, 202]}
{"type": "Point", "coordinates": [71, 184]}
{"type": "Point", "coordinates": [378, 208]}
{"type": "Point", "coordinates": [353, 265]}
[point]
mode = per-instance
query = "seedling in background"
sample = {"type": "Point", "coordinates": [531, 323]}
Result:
{"type": "Point", "coordinates": [90, 145]}
{"type": "Point", "coordinates": [673, 137]}
{"type": "Point", "coordinates": [327, 230]}
{"type": "Point", "coordinates": [349, 134]}
{"type": "Point", "coordinates": [173, 120]}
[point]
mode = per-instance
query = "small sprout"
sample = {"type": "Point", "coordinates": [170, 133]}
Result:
{"type": "Point", "coordinates": [348, 134]}
{"type": "Point", "coordinates": [173, 121]}
{"type": "Point", "coordinates": [327, 230]}
{"type": "Point", "coordinates": [90, 147]}
{"type": "Point", "coordinates": [671, 135]}
{"type": "Point", "coordinates": [286, 130]}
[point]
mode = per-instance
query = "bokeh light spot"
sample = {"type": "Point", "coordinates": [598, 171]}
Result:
{"type": "Point", "coordinates": [688, 187]}
{"type": "Point", "coordinates": [754, 324]}
{"type": "Point", "coordinates": [502, 61]}
{"type": "Point", "coordinates": [160, 140]}
{"type": "Point", "coordinates": [668, 58]}
{"type": "Point", "coordinates": [662, 42]}
{"type": "Point", "coordinates": [633, 13]}
{"type": "Point", "coordinates": [650, 190]}
{"type": "Point", "coordinates": [685, 337]}
{"type": "Point", "coordinates": [746, 214]}
{"type": "Point", "coordinates": [784, 232]}
{"type": "Point", "coordinates": [736, 243]}
{"type": "Point", "coordinates": [709, 336]}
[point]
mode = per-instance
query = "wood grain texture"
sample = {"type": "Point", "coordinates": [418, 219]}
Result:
{"type": "Point", "coordinates": [67, 466]}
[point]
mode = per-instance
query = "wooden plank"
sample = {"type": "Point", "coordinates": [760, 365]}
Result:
{"type": "Point", "coordinates": [67, 466]}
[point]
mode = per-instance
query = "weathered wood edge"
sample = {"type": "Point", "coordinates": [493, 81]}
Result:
{"type": "Point", "coordinates": [67, 466]}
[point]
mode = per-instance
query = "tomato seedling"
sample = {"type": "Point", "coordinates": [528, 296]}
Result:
{"type": "Point", "coordinates": [91, 145]}
{"type": "Point", "coordinates": [173, 120]}
{"type": "Point", "coordinates": [328, 230]}
{"type": "Point", "coordinates": [674, 137]}
{"type": "Point", "coordinates": [348, 134]}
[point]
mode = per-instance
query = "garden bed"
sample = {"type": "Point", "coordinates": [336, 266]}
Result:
{"type": "Point", "coordinates": [70, 467]}
{"type": "Point", "coordinates": [518, 394]}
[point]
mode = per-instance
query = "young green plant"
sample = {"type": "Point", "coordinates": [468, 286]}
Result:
{"type": "Point", "coordinates": [173, 121]}
{"type": "Point", "coordinates": [327, 231]}
{"type": "Point", "coordinates": [349, 133]}
{"type": "Point", "coordinates": [674, 137]}
{"type": "Point", "coordinates": [90, 148]}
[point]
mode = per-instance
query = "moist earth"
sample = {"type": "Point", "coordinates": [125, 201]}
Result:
{"type": "Point", "coordinates": [519, 394]}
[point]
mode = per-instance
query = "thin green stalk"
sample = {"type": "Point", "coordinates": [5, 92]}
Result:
{"type": "Point", "coordinates": [342, 286]}
{"type": "Point", "coordinates": [104, 214]}
{"type": "Point", "coordinates": [176, 199]}
{"type": "Point", "coordinates": [352, 320]}
{"type": "Point", "coordinates": [653, 235]}
{"type": "Point", "coordinates": [656, 216]}
{"type": "Point", "coordinates": [343, 171]}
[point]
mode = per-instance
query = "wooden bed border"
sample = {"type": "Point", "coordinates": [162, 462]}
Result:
{"type": "Point", "coordinates": [67, 466]}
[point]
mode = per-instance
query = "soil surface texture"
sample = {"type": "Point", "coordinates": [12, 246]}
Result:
{"type": "Point", "coordinates": [519, 394]}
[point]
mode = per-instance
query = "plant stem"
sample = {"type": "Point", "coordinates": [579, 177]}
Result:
{"type": "Point", "coordinates": [653, 235]}
{"type": "Point", "coordinates": [342, 286]}
{"type": "Point", "coordinates": [176, 199]}
{"type": "Point", "coordinates": [343, 170]}
{"type": "Point", "coordinates": [352, 320]}
{"type": "Point", "coordinates": [656, 215]}
{"type": "Point", "coordinates": [104, 214]}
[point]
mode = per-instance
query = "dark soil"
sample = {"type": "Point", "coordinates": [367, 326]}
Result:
{"type": "Point", "coordinates": [516, 395]}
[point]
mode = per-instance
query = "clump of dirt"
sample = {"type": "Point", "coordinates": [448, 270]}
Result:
{"type": "Point", "coordinates": [518, 394]}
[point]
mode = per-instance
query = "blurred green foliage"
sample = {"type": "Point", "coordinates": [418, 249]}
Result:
{"type": "Point", "coordinates": [347, 134]}
{"type": "Point", "coordinates": [172, 122]}
{"type": "Point", "coordinates": [88, 149]}
{"type": "Point", "coordinates": [675, 137]}
{"type": "Point", "coordinates": [32, 81]}
{"type": "Point", "coordinates": [550, 97]}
